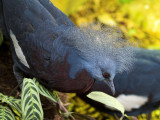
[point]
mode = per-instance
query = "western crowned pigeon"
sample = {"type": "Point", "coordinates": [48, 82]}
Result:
{"type": "Point", "coordinates": [48, 46]}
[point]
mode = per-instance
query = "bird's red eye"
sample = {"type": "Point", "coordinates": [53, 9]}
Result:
{"type": "Point", "coordinates": [106, 75]}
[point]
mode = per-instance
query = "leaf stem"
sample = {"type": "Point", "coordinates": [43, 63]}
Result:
{"type": "Point", "coordinates": [15, 88]}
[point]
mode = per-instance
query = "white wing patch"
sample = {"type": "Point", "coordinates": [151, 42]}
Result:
{"type": "Point", "coordinates": [132, 101]}
{"type": "Point", "coordinates": [18, 50]}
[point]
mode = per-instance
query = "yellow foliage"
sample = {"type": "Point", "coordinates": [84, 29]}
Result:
{"type": "Point", "coordinates": [144, 13]}
{"type": "Point", "coordinates": [68, 6]}
{"type": "Point", "coordinates": [105, 18]}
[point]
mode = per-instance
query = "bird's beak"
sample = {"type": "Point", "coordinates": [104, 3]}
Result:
{"type": "Point", "coordinates": [110, 84]}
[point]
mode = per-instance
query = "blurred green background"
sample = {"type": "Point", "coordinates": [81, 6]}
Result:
{"type": "Point", "coordinates": [139, 20]}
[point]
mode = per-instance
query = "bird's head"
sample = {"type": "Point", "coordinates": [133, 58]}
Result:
{"type": "Point", "coordinates": [102, 70]}
{"type": "Point", "coordinates": [102, 54]}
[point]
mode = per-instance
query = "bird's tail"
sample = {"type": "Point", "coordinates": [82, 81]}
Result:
{"type": "Point", "coordinates": [2, 21]}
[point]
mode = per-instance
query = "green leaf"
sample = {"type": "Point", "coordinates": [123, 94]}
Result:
{"type": "Point", "coordinates": [15, 104]}
{"type": "Point", "coordinates": [31, 104]}
{"type": "Point", "coordinates": [1, 37]}
{"type": "Point", "coordinates": [45, 92]}
{"type": "Point", "coordinates": [6, 113]}
{"type": "Point", "coordinates": [108, 100]}
{"type": "Point", "coordinates": [17, 118]}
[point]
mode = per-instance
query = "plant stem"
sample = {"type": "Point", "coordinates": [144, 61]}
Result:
{"type": "Point", "coordinates": [15, 88]}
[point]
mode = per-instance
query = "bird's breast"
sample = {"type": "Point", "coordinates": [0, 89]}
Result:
{"type": "Point", "coordinates": [60, 79]}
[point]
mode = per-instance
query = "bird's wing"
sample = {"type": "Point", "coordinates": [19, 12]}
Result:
{"type": "Point", "coordinates": [59, 16]}
{"type": "Point", "coordinates": [35, 30]}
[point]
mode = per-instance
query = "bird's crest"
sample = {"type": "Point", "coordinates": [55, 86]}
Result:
{"type": "Point", "coordinates": [97, 45]}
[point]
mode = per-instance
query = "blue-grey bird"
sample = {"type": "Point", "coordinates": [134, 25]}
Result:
{"type": "Point", "coordinates": [139, 89]}
{"type": "Point", "coordinates": [47, 45]}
